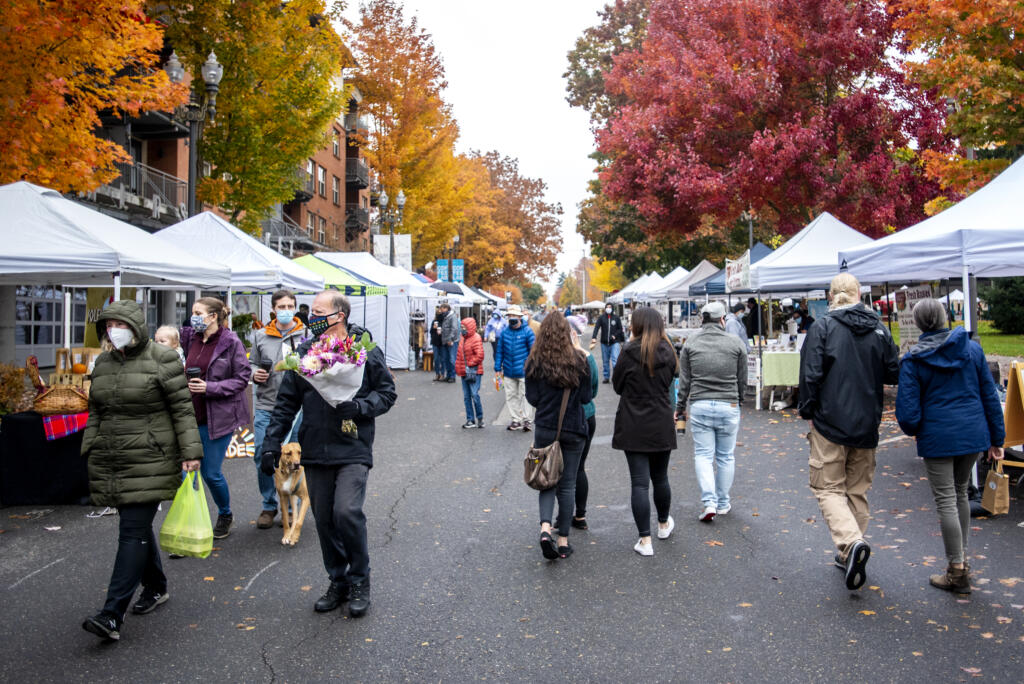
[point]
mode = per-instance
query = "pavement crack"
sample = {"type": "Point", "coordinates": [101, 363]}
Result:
{"type": "Point", "coordinates": [392, 530]}
{"type": "Point", "coordinates": [266, 660]}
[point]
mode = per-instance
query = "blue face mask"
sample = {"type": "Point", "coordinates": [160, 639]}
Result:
{"type": "Point", "coordinates": [284, 317]}
{"type": "Point", "coordinates": [198, 323]}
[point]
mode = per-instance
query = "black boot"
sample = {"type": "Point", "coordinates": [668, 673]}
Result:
{"type": "Point", "coordinates": [335, 595]}
{"type": "Point", "coordinates": [360, 602]}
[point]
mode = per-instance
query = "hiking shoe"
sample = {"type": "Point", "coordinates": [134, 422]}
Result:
{"type": "Point", "coordinates": [856, 564]}
{"type": "Point", "coordinates": [223, 526]}
{"type": "Point", "coordinates": [643, 549]}
{"type": "Point", "coordinates": [527, 426]}
{"type": "Point", "coordinates": [514, 426]}
{"type": "Point", "coordinates": [103, 625]}
{"type": "Point", "coordinates": [266, 519]}
{"type": "Point", "coordinates": [148, 602]}
{"type": "Point", "coordinates": [359, 603]}
{"type": "Point", "coordinates": [708, 515]}
{"type": "Point", "coordinates": [954, 579]}
{"type": "Point", "coordinates": [335, 595]}
{"type": "Point", "coordinates": [664, 533]}
{"type": "Point", "coordinates": [469, 425]}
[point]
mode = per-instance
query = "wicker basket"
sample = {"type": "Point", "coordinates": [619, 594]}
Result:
{"type": "Point", "coordinates": [61, 399]}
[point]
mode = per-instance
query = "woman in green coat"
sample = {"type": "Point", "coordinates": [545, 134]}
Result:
{"type": "Point", "coordinates": [140, 435]}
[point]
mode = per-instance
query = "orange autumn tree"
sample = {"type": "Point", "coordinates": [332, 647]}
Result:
{"type": "Point", "coordinates": [63, 64]}
{"type": "Point", "coordinates": [487, 245]}
{"type": "Point", "coordinates": [974, 59]}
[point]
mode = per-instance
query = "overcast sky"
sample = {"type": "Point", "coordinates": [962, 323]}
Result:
{"type": "Point", "coordinates": [504, 63]}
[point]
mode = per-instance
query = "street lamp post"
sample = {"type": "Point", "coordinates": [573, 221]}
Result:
{"type": "Point", "coordinates": [392, 217]}
{"type": "Point", "coordinates": [451, 258]}
{"type": "Point", "coordinates": [195, 112]}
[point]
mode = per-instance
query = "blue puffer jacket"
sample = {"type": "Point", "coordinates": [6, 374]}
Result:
{"type": "Point", "coordinates": [513, 347]}
{"type": "Point", "coordinates": [947, 398]}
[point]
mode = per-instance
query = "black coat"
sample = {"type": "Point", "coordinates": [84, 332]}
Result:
{"type": "Point", "coordinates": [644, 419]}
{"type": "Point", "coordinates": [846, 358]}
{"type": "Point", "coordinates": [547, 399]}
{"type": "Point", "coordinates": [608, 329]}
{"type": "Point", "coordinates": [322, 439]}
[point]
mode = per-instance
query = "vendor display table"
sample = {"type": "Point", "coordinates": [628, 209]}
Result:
{"type": "Point", "coordinates": [34, 471]}
{"type": "Point", "coordinates": [780, 368]}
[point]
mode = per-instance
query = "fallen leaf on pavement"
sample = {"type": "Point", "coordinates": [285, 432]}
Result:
{"type": "Point", "coordinates": [305, 587]}
{"type": "Point", "coordinates": [1003, 620]}
{"type": "Point", "coordinates": [866, 612]}
{"type": "Point", "coordinates": [745, 605]}
{"type": "Point", "coordinates": [207, 579]}
{"type": "Point", "coordinates": [714, 542]}
{"type": "Point", "coordinates": [916, 653]}
{"type": "Point", "coordinates": [987, 635]}
{"type": "Point", "coordinates": [1010, 581]}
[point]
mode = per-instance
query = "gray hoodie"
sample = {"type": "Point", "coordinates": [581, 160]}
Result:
{"type": "Point", "coordinates": [712, 366]}
{"type": "Point", "coordinates": [270, 345]}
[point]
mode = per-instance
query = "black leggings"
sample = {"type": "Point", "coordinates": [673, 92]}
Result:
{"type": "Point", "coordinates": [137, 560]}
{"type": "Point", "coordinates": [649, 467]}
{"type": "Point", "coordinates": [582, 486]}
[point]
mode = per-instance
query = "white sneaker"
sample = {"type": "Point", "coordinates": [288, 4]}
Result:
{"type": "Point", "coordinates": [644, 549]}
{"type": "Point", "coordinates": [723, 511]}
{"type": "Point", "coordinates": [708, 515]}
{"type": "Point", "coordinates": [664, 533]}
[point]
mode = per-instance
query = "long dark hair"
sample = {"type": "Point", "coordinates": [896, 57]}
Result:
{"type": "Point", "coordinates": [649, 328]}
{"type": "Point", "coordinates": [553, 357]}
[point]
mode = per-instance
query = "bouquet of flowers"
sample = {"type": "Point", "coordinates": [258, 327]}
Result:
{"type": "Point", "coordinates": [334, 367]}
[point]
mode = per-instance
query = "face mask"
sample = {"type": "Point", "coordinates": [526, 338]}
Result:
{"type": "Point", "coordinates": [198, 323]}
{"type": "Point", "coordinates": [284, 317]}
{"type": "Point", "coordinates": [513, 322]}
{"type": "Point", "coordinates": [464, 332]}
{"type": "Point", "coordinates": [318, 325]}
{"type": "Point", "coordinates": [608, 310]}
{"type": "Point", "coordinates": [120, 337]}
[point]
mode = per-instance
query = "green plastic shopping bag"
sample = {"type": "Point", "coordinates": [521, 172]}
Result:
{"type": "Point", "coordinates": [187, 530]}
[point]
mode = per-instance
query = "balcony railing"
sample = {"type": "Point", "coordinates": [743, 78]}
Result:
{"type": "Point", "coordinates": [357, 221]}
{"type": "Point", "coordinates": [307, 189]}
{"type": "Point", "coordinates": [143, 186]}
{"type": "Point", "coordinates": [357, 173]}
{"type": "Point", "coordinates": [285, 235]}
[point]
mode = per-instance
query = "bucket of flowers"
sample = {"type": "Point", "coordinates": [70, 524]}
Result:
{"type": "Point", "coordinates": [334, 367]}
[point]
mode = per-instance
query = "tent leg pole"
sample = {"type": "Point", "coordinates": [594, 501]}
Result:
{"type": "Point", "coordinates": [67, 320]}
{"type": "Point", "coordinates": [969, 306]}
{"type": "Point", "coordinates": [888, 308]}
{"type": "Point", "coordinates": [117, 286]}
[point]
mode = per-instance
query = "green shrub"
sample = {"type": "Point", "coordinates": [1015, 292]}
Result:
{"type": "Point", "coordinates": [1005, 299]}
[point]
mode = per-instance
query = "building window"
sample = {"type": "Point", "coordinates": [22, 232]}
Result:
{"type": "Point", "coordinates": [337, 143]}
{"type": "Point", "coordinates": [336, 187]}
{"type": "Point", "coordinates": [322, 235]}
{"type": "Point", "coordinates": [321, 179]}
{"type": "Point", "coordinates": [310, 224]}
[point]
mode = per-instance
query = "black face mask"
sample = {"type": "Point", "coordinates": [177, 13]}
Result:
{"type": "Point", "coordinates": [318, 325]}
{"type": "Point", "coordinates": [514, 323]}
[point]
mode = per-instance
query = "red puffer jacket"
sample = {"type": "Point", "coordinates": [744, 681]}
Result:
{"type": "Point", "coordinates": [471, 350]}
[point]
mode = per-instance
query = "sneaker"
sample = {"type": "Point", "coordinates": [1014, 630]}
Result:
{"type": "Point", "coordinates": [335, 595]}
{"type": "Point", "coordinates": [664, 533]}
{"type": "Point", "coordinates": [266, 519]}
{"type": "Point", "coordinates": [469, 425]}
{"type": "Point", "coordinates": [605, 381]}
{"type": "Point", "coordinates": [707, 516]}
{"type": "Point", "coordinates": [480, 423]}
{"type": "Point", "coordinates": [723, 511]}
{"type": "Point", "coordinates": [223, 526]}
{"type": "Point", "coordinates": [359, 603]}
{"type": "Point", "coordinates": [103, 625]}
{"type": "Point", "coordinates": [450, 380]}
{"type": "Point", "coordinates": [838, 561]}
{"type": "Point", "coordinates": [527, 426]}
{"type": "Point", "coordinates": [856, 564]}
{"type": "Point", "coordinates": [149, 601]}
{"type": "Point", "coordinates": [514, 425]}
{"type": "Point", "coordinates": [547, 546]}
{"type": "Point", "coordinates": [643, 549]}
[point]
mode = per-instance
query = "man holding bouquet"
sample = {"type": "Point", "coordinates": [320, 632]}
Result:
{"type": "Point", "coordinates": [337, 443]}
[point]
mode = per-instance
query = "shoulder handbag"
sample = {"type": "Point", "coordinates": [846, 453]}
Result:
{"type": "Point", "coordinates": [542, 467]}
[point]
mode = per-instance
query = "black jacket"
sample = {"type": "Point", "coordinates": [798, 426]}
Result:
{"type": "Point", "coordinates": [435, 331]}
{"type": "Point", "coordinates": [846, 358]}
{"type": "Point", "coordinates": [322, 439]}
{"type": "Point", "coordinates": [547, 399]}
{"type": "Point", "coordinates": [608, 329]}
{"type": "Point", "coordinates": [643, 420]}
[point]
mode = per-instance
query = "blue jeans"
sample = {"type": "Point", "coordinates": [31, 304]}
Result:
{"type": "Point", "coordinates": [609, 357]}
{"type": "Point", "coordinates": [714, 425]}
{"type": "Point", "coordinates": [471, 396]}
{"type": "Point", "coordinates": [440, 360]}
{"type": "Point", "coordinates": [214, 451]}
{"type": "Point", "coordinates": [453, 352]}
{"type": "Point", "coordinates": [260, 422]}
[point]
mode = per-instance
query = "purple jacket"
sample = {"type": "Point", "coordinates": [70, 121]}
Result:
{"type": "Point", "coordinates": [226, 383]}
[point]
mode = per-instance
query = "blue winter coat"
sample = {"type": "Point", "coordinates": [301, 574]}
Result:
{"type": "Point", "coordinates": [513, 347]}
{"type": "Point", "coordinates": [947, 398]}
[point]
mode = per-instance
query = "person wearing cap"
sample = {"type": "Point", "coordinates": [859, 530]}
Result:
{"type": "Point", "coordinates": [713, 378]}
{"type": "Point", "coordinates": [609, 332]}
{"type": "Point", "coordinates": [514, 347]}
{"type": "Point", "coordinates": [846, 359]}
{"type": "Point", "coordinates": [733, 324]}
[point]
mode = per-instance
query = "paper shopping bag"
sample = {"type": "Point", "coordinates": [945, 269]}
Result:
{"type": "Point", "coordinates": [187, 530]}
{"type": "Point", "coordinates": [996, 499]}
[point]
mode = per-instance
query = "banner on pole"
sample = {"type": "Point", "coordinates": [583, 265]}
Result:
{"type": "Point", "coordinates": [737, 273]}
{"type": "Point", "coordinates": [905, 301]}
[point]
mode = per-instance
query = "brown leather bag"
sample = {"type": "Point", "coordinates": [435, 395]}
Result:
{"type": "Point", "coordinates": [542, 467]}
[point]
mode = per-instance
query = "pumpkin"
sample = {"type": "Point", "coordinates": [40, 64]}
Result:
{"type": "Point", "coordinates": [79, 369]}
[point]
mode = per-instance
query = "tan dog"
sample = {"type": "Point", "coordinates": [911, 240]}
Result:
{"type": "Point", "coordinates": [290, 481]}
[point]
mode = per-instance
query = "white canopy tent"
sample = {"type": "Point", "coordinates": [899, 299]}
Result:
{"type": "Point", "coordinates": [681, 288]}
{"type": "Point", "coordinates": [652, 287]}
{"type": "Point", "coordinates": [630, 292]}
{"type": "Point", "coordinates": [49, 239]}
{"type": "Point", "coordinates": [808, 259]}
{"type": "Point", "coordinates": [254, 266]}
{"type": "Point", "coordinates": [406, 293]}
{"type": "Point", "coordinates": [595, 305]}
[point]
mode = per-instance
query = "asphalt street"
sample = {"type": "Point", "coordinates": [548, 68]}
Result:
{"type": "Point", "coordinates": [460, 591]}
